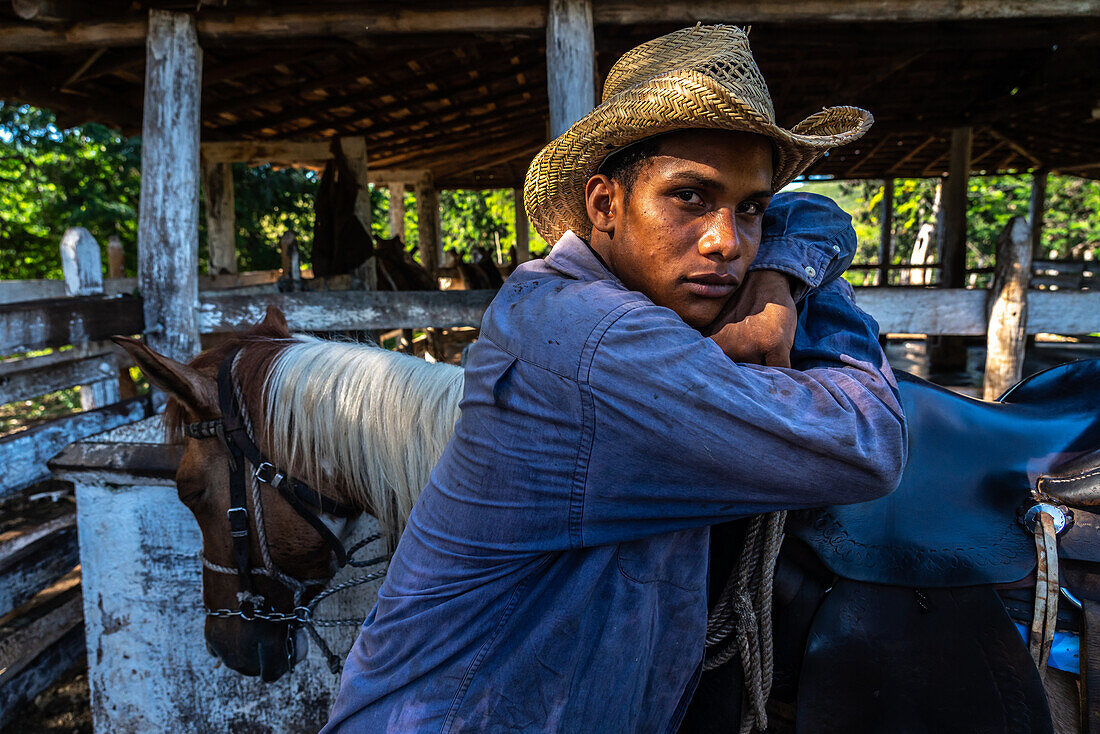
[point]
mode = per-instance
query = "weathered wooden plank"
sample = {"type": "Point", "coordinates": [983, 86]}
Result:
{"type": "Point", "coordinates": [40, 624]}
{"type": "Point", "coordinates": [20, 291]}
{"type": "Point", "coordinates": [24, 454]}
{"type": "Point", "coordinates": [349, 310]}
{"type": "Point", "coordinates": [570, 62]}
{"type": "Point", "coordinates": [14, 542]}
{"type": "Point", "coordinates": [57, 322]}
{"type": "Point", "coordinates": [1005, 341]}
{"type": "Point", "coordinates": [27, 378]}
{"type": "Point", "coordinates": [962, 312]}
{"type": "Point", "coordinates": [37, 564]}
{"type": "Point", "coordinates": [40, 673]}
{"type": "Point", "coordinates": [236, 26]}
{"type": "Point", "coordinates": [168, 220]}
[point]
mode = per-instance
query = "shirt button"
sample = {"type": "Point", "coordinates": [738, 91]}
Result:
{"type": "Point", "coordinates": [836, 248]}
{"type": "Point", "coordinates": [810, 271]}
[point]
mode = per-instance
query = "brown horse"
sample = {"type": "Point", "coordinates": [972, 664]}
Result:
{"type": "Point", "coordinates": [363, 427]}
{"type": "Point", "coordinates": [338, 416]}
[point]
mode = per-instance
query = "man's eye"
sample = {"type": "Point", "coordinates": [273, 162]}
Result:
{"type": "Point", "coordinates": [750, 207]}
{"type": "Point", "coordinates": [689, 197]}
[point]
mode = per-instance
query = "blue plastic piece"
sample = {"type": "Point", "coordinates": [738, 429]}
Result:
{"type": "Point", "coordinates": [1065, 652]}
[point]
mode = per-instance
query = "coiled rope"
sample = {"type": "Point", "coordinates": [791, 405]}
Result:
{"type": "Point", "coordinates": [740, 622]}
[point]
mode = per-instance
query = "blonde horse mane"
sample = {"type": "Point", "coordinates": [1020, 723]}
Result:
{"type": "Point", "coordinates": [363, 418]}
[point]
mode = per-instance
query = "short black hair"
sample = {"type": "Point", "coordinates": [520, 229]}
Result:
{"type": "Point", "coordinates": [625, 164]}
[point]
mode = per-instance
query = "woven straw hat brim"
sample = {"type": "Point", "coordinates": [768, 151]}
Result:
{"type": "Point", "coordinates": [678, 100]}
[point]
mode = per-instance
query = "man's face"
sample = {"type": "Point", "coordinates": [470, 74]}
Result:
{"type": "Point", "coordinates": [690, 226]}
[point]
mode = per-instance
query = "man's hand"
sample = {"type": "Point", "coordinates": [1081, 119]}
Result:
{"type": "Point", "coordinates": [758, 323]}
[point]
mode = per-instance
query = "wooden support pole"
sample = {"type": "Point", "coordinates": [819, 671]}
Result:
{"type": "Point", "coordinates": [355, 152]}
{"type": "Point", "coordinates": [886, 238]}
{"type": "Point", "coordinates": [83, 269]}
{"type": "Point", "coordinates": [221, 236]}
{"type": "Point", "coordinates": [570, 62]}
{"type": "Point", "coordinates": [523, 229]}
{"type": "Point", "coordinates": [397, 209]}
{"type": "Point", "coordinates": [428, 225]}
{"type": "Point", "coordinates": [1036, 209]}
{"type": "Point", "coordinates": [948, 354]}
{"type": "Point", "coordinates": [953, 232]}
{"type": "Point", "coordinates": [168, 222]}
{"type": "Point", "coordinates": [1005, 340]}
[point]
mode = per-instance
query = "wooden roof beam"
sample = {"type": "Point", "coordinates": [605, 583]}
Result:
{"type": "Point", "coordinates": [229, 27]}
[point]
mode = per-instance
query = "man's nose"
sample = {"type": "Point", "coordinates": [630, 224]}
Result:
{"type": "Point", "coordinates": [722, 238]}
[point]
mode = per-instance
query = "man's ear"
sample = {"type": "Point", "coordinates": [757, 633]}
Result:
{"type": "Point", "coordinates": [197, 392]}
{"type": "Point", "coordinates": [602, 199]}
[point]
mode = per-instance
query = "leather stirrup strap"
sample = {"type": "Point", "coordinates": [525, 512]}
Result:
{"type": "Point", "coordinates": [1045, 614]}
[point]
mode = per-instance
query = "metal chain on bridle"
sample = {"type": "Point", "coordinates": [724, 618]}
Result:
{"type": "Point", "coordinates": [235, 431]}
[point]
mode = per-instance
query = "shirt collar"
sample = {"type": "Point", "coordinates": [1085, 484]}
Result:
{"type": "Point", "coordinates": [573, 257]}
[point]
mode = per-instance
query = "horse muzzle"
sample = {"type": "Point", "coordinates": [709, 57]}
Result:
{"type": "Point", "coordinates": [257, 648]}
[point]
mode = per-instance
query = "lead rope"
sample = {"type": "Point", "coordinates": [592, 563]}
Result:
{"type": "Point", "coordinates": [743, 612]}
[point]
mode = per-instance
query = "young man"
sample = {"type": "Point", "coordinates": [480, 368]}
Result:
{"type": "Point", "coordinates": [553, 575]}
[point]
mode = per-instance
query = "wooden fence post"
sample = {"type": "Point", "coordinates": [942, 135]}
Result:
{"type": "Point", "coordinates": [570, 62]}
{"type": "Point", "coordinates": [292, 264]}
{"type": "Point", "coordinates": [221, 237]}
{"type": "Point", "coordinates": [116, 258]}
{"type": "Point", "coordinates": [428, 224]}
{"type": "Point", "coordinates": [1005, 340]}
{"type": "Point", "coordinates": [1036, 209]}
{"type": "Point", "coordinates": [397, 209]}
{"type": "Point", "coordinates": [168, 222]}
{"type": "Point", "coordinates": [83, 269]}
{"type": "Point", "coordinates": [886, 237]}
{"type": "Point", "coordinates": [523, 229]}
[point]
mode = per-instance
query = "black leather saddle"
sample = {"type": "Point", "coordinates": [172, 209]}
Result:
{"type": "Point", "coordinates": [952, 520]}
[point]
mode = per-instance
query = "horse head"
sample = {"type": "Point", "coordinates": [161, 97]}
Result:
{"type": "Point", "coordinates": [313, 433]}
{"type": "Point", "coordinates": [247, 634]}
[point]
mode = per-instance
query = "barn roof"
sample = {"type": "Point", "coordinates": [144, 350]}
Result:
{"type": "Point", "coordinates": [461, 90]}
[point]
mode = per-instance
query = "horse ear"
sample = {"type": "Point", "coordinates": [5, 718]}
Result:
{"type": "Point", "coordinates": [196, 391]}
{"type": "Point", "coordinates": [275, 320]}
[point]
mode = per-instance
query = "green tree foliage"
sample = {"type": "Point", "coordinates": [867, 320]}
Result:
{"type": "Point", "coordinates": [53, 179]}
{"type": "Point", "coordinates": [1071, 223]}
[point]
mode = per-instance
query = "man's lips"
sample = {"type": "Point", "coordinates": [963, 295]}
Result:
{"type": "Point", "coordinates": [711, 285]}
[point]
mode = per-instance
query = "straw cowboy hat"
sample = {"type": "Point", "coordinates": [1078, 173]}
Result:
{"type": "Point", "coordinates": [700, 77]}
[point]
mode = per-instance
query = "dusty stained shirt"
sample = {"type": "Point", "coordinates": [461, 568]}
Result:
{"type": "Point", "coordinates": [553, 575]}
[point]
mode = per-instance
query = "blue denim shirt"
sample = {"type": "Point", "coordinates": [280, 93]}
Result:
{"type": "Point", "coordinates": [553, 575]}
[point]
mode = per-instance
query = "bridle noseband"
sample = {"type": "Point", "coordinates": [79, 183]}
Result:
{"type": "Point", "coordinates": [234, 431]}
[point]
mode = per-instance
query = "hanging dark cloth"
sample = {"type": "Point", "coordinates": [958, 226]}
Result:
{"type": "Point", "coordinates": [340, 241]}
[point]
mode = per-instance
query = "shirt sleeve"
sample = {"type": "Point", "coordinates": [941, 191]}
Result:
{"type": "Point", "coordinates": [808, 237]}
{"type": "Point", "coordinates": [681, 436]}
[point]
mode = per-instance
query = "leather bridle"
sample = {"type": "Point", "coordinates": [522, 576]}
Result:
{"type": "Point", "coordinates": [234, 430]}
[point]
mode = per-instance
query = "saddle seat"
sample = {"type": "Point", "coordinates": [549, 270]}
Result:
{"type": "Point", "coordinates": [971, 465]}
